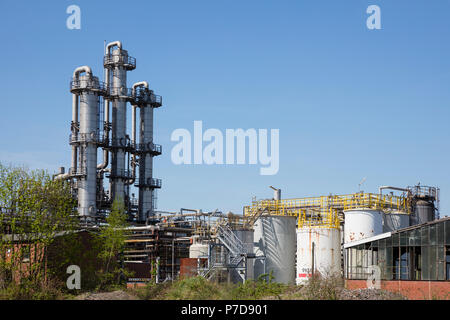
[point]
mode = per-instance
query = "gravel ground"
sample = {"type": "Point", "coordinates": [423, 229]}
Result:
{"type": "Point", "coordinates": [368, 294]}
{"type": "Point", "coordinates": [114, 295]}
{"type": "Point", "coordinates": [343, 294]}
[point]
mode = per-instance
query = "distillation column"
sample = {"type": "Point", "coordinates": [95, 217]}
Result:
{"type": "Point", "coordinates": [86, 89]}
{"type": "Point", "coordinates": [146, 163]}
{"type": "Point", "coordinates": [118, 62]}
{"type": "Point", "coordinates": [146, 100]}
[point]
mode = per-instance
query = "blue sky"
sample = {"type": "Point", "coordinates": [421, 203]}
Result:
{"type": "Point", "coordinates": [349, 102]}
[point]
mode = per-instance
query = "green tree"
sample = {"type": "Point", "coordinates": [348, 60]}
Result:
{"type": "Point", "coordinates": [34, 209]}
{"type": "Point", "coordinates": [112, 238]}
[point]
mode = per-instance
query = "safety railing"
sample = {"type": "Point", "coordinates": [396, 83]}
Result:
{"type": "Point", "coordinates": [149, 182]}
{"type": "Point", "coordinates": [150, 147]}
{"type": "Point", "coordinates": [324, 210]}
{"type": "Point", "coordinates": [424, 191]}
{"type": "Point", "coordinates": [143, 95]}
{"type": "Point", "coordinates": [77, 171]}
{"type": "Point", "coordinates": [120, 174]}
{"type": "Point", "coordinates": [120, 92]}
{"type": "Point", "coordinates": [90, 84]}
{"type": "Point", "coordinates": [94, 137]}
{"type": "Point", "coordinates": [328, 218]}
{"type": "Point", "coordinates": [124, 60]}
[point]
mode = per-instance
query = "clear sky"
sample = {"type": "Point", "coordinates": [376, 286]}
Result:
{"type": "Point", "coordinates": [349, 102]}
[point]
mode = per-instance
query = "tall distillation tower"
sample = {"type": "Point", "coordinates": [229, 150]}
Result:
{"type": "Point", "coordinates": [89, 133]}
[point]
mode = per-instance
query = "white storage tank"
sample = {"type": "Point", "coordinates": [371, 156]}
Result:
{"type": "Point", "coordinates": [275, 239]}
{"type": "Point", "coordinates": [395, 220]}
{"type": "Point", "coordinates": [198, 250]}
{"type": "Point", "coordinates": [362, 223]}
{"type": "Point", "coordinates": [318, 249]}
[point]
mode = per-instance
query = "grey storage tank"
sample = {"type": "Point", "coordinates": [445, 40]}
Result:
{"type": "Point", "coordinates": [423, 212]}
{"type": "Point", "coordinates": [275, 247]}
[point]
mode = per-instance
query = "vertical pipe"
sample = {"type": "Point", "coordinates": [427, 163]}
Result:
{"type": "Point", "coordinates": [74, 131]}
{"type": "Point", "coordinates": [133, 140]}
{"type": "Point", "coordinates": [105, 162]}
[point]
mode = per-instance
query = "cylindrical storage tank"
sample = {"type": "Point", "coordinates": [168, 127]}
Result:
{"type": "Point", "coordinates": [198, 250]}
{"type": "Point", "coordinates": [395, 220]}
{"type": "Point", "coordinates": [318, 250]}
{"type": "Point", "coordinates": [423, 212]}
{"type": "Point", "coordinates": [246, 236]}
{"type": "Point", "coordinates": [275, 240]}
{"type": "Point", "coordinates": [362, 223]}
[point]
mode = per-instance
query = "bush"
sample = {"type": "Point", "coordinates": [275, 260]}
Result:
{"type": "Point", "coordinates": [323, 288]}
{"type": "Point", "coordinates": [258, 289]}
{"type": "Point", "coordinates": [152, 291]}
{"type": "Point", "coordinates": [30, 290]}
{"type": "Point", "coordinates": [196, 288]}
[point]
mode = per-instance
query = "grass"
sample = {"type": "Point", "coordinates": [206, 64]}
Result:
{"type": "Point", "coordinates": [198, 288]}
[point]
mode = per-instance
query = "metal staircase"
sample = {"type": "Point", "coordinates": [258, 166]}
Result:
{"type": "Point", "coordinates": [236, 247]}
{"type": "Point", "coordinates": [255, 215]}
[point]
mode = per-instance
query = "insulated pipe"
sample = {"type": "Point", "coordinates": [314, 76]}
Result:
{"type": "Point", "coordinates": [105, 162]}
{"type": "Point", "coordinates": [62, 176]}
{"type": "Point", "coordinates": [140, 84]}
{"type": "Point", "coordinates": [112, 44]}
{"type": "Point", "coordinates": [133, 139]}
{"type": "Point", "coordinates": [76, 74]}
{"type": "Point", "coordinates": [74, 131]}
{"type": "Point", "coordinates": [81, 70]}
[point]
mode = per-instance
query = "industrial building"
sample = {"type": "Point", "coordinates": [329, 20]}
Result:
{"type": "Point", "coordinates": [293, 240]}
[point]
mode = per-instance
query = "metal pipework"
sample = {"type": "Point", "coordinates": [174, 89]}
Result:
{"type": "Point", "coordinates": [105, 162]}
{"type": "Point", "coordinates": [380, 189]}
{"type": "Point", "coordinates": [276, 194]}
{"type": "Point", "coordinates": [74, 128]}
{"type": "Point", "coordinates": [133, 139]}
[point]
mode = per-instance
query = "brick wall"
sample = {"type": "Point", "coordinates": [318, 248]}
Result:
{"type": "Point", "coordinates": [414, 290]}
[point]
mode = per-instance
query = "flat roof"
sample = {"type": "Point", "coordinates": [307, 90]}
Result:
{"type": "Point", "coordinates": [389, 234]}
{"type": "Point", "coordinates": [365, 240]}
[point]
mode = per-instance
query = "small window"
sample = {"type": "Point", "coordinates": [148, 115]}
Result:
{"type": "Point", "coordinates": [26, 254]}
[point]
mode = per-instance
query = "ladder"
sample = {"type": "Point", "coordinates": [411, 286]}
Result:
{"type": "Point", "coordinates": [236, 247]}
{"type": "Point", "coordinates": [259, 211]}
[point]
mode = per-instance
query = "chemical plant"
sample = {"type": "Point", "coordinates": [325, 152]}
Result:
{"type": "Point", "coordinates": [290, 239]}
{"type": "Point", "coordinates": [93, 102]}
